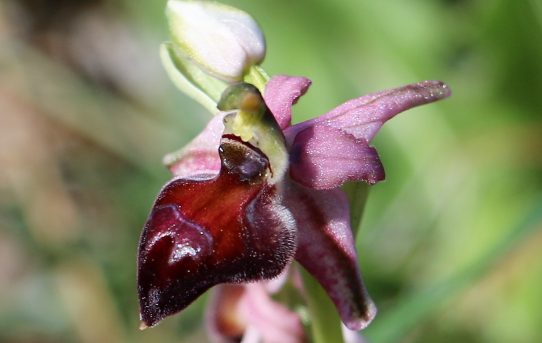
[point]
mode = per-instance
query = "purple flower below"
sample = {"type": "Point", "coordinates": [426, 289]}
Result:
{"type": "Point", "coordinates": [231, 215]}
{"type": "Point", "coordinates": [249, 313]}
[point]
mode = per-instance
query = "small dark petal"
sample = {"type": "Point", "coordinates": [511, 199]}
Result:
{"type": "Point", "coordinates": [202, 232]}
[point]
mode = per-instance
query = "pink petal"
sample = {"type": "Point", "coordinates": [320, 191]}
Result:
{"type": "Point", "coordinates": [234, 310]}
{"type": "Point", "coordinates": [275, 284]}
{"type": "Point", "coordinates": [351, 336]}
{"type": "Point", "coordinates": [281, 92]}
{"type": "Point", "coordinates": [323, 157]}
{"type": "Point", "coordinates": [223, 321]}
{"type": "Point", "coordinates": [326, 250]}
{"type": "Point", "coordinates": [200, 156]}
{"type": "Point", "coordinates": [274, 321]}
{"type": "Point", "coordinates": [363, 117]}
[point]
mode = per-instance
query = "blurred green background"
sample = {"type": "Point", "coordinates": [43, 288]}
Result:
{"type": "Point", "coordinates": [450, 244]}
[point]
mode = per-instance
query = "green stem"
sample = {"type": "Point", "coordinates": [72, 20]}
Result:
{"type": "Point", "coordinates": [325, 322]}
{"type": "Point", "coordinates": [357, 193]}
{"type": "Point", "coordinates": [257, 76]}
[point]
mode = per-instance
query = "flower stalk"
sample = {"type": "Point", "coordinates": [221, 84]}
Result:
{"type": "Point", "coordinates": [257, 77]}
{"type": "Point", "coordinates": [325, 323]}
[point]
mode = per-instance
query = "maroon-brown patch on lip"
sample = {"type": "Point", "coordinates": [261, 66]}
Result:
{"type": "Point", "coordinates": [257, 150]}
{"type": "Point", "coordinates": [247, 144]}
{"type": "Point", "coordinates": [243, 160]}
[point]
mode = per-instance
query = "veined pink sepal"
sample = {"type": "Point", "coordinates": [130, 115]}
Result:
{"type": "Point", "coordinates": [323, 157]}
{"type": "Point", "coordinates": [327, 251]}
{"type": "Point", "coordinates": [362, 117]}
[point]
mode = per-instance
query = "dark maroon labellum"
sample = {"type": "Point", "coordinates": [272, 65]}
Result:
{"type": "Point", "coordinates": [202, 232]}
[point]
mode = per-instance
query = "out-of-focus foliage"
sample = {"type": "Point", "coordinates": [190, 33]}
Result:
{"type": "Point", "coordinates": [450, 244]}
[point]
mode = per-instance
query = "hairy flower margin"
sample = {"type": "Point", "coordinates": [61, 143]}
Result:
{"type": "Point", "coordinates": [252, 192]}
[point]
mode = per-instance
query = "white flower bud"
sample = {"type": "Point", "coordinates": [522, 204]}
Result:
{"type": "Point", "coordinates": [224, 41]}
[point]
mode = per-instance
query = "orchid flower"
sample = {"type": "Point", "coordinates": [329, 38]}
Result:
{"type": "Point", "coordinates": [252, 192]}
